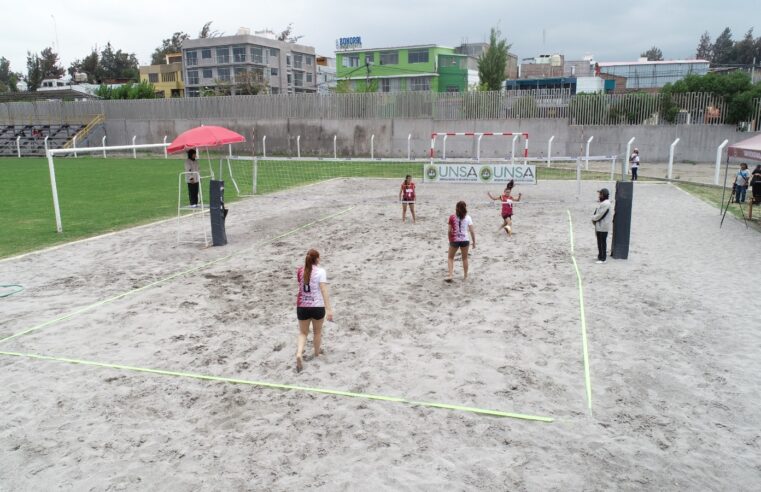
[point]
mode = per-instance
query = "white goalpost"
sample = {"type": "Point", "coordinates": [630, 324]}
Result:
{"type": "Point", "coordinates": [50, 153]}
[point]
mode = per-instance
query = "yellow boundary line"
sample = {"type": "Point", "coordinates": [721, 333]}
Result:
{"type": "Point", "coordinates": [584, 342]}
{"type": "Point", "coordinates": [291, 387]}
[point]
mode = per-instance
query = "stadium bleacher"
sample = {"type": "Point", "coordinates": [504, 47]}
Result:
{"type": "Point", "coordinates": [32, 141]}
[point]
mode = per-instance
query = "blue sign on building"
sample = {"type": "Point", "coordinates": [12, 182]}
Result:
{"type": "Point", "coordinates": [351, 43]}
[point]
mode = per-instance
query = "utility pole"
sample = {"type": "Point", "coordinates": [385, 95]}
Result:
{"type": "Point", "coordinates": [367, 77]}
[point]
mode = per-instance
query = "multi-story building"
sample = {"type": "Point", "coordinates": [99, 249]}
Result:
{"type": "Point", "coordinates": [326, 74]}
{"type": "Point", "coordinates": [645, 74]}
{"type": "Point", "coordinates": [404, 68]}
{"type": "Point", "coordinates": [543, 66]}
{"type": "Point", "coordinates": [166, 78]}
{"type": "Point", "coordinates": [246, 64]}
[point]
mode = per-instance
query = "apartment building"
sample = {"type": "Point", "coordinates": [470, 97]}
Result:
{"type": "Point", "coordinates": [247, 64]}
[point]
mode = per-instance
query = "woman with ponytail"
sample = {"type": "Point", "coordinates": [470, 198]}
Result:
{"type": "Point", "coordinates": [460, 224]}
{"type": "Point", "coordinates": [312, 304]}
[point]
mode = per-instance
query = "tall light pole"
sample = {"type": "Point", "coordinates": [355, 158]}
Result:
{"type": "Point", "coordinates": [55, 28]}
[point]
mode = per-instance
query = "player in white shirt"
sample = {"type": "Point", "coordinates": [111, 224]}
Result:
{"type": "Point", "coordinates": [459, 224]}
{"type": "Point", "coordinates": [312, 304]}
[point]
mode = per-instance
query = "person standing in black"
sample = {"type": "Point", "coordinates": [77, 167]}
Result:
{"type": "Point", "coordinates": [193, 177]}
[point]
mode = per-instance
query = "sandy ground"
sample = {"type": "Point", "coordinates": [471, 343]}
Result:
{"type": "Point", "coordinates": [673, 344]}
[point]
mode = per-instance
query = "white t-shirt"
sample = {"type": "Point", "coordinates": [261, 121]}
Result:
{"type": "Point", "coordinates": [634, 160]}
{"type": "Point", "coordinates": [459, 228]}
{"type": "Point", "coordinates": [310, 294]}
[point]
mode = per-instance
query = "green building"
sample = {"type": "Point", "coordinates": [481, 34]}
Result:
{"type": "Point", "coordinates": [405, 68]}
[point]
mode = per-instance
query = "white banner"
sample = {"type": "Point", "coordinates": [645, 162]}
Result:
{"type": "Point", "coordinates": [465, 172]}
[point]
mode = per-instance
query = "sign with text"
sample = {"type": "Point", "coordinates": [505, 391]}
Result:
{"type": "Point", "coordinates": [351, 43]}
{"type": "Point", "coordinates": [465, 172]}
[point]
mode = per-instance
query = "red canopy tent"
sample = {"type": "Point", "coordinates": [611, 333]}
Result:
{"type": "Point", "coordinates": [747, 149]}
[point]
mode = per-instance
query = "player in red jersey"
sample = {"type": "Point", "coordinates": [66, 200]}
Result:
{"type": "Point", "coordinates": [507, 199]}
{"type": "Point", "coordinates": [407, 197]}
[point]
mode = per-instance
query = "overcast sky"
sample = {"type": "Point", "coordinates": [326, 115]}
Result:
{"type": "Point", "coordinates": [609, 30]}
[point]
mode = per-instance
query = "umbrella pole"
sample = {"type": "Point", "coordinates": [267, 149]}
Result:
{"type": "Point", "coordinates": [726, 174]}
{"type": "Point", "coordinates": [208, 157]}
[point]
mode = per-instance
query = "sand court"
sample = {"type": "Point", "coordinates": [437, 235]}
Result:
{"type": "Point", "coordinates": [672, 363]}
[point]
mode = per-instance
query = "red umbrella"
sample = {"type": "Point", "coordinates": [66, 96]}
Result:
{"type": "Point", "coordinates": [204, 136]}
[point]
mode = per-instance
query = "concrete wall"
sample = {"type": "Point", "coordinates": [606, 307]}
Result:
{"type": "Point", "coordinates": [698, 142]}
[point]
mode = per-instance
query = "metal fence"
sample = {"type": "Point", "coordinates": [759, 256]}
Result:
{"type": "Point", "coordinates": [581, 109]}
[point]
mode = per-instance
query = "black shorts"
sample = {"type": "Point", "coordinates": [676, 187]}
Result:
{"type": "Point", "coordinates": [305, 313]}
{"type": "Point", "coordinates": [507, 216]}
{"type": "Point", "coordinates": [459, 244]}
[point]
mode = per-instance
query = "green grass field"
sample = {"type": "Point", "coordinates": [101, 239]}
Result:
{"type": "Point", "coordinates": [102, 195]}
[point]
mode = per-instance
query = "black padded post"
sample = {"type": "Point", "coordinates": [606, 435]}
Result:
{"type": "Point", "coordinates": [217, 212]}
{"type": "Point", "coordinates": [622, 220]}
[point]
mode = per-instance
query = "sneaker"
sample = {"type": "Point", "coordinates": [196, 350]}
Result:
{"type": "Point", "coordinates": [600, 261]}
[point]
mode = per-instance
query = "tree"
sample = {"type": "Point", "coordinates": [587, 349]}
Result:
{"type": "Point", "coordinates": [492, 63]}
{"type": "Point", "coordinates": [722, 48]}
{"type": "Point", "coordinates": [744, 51]}
{"type": "Point", "coordinates": [142, 90]}
{"type": "Point", "coordinates": [49, 64]}
{"type": "Point", "coordinates": [206, 31]}
{"type": "Point", "coordinates": [33, 71]}
{"type": "Point", "coordinates": [117, 65]}
{"type": "Point", "coordinates": [653, 54]}
{"type": "Point", "coordinates": [89, 65]}
{"type": "Point", "coordinates": [287, 35]}
{"type": "Point", "coordinates": [735, 88]}
{"type": "Point", "coordinates": [250, 83]}
{"type": "Point", "coordinates": [170, 45]}
{"type": "Point", "coordinates": [8, 79]}
{"type": "Point", "coordinates": [705, 48]}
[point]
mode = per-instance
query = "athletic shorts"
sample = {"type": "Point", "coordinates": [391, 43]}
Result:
{"type": "Point", "coordinates": [459, 244]}
{"type": "Point", "coordinates": [305, 313]}
{"type": "Point", "coordinates": [507, 216]}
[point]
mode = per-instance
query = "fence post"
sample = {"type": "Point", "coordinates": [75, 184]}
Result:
{"type": "Point", "coordinates": [409, 146]}
{"type": "Point", "coordinates": [18, 146]}
{"type": "Point", "coordinates": [74, 145]}
{"type": "Point", "coordinates": [134, 150]}
{"type": "Point", "coordinates": [54, 189]}
{"type": "Point", "coordinates": [549, 151]}
{"type": "Point", "coordinates": [578, 178]}
{"type": "Point", "coordinates": [671, 159]}
{"type": "Point", "coordinates": [625, 160]}
{"type": "Point", "coordinates": [586, 166]}
{"type": "Point", "coordinates": [613, 167]}
{"type": "Point", "coordinates": [512, 149]}
{"type": "Point", "coordinates": [372, 146]}
{"type": "Point", "coordinates": [229, 150]}
{"type": "Point", "coordinates": [264, 146]}
{"type": "Point", "coordinates": [335, 147]}
{"type": "Point", "coordinates": [166, 156]}
{"type": "Point", "coordinates": [719, 150]}
{"type": "Point", "coordinates": [298, 146]}
{"type": "Point", "coordinates": [444, 148]}
{"type": "Point", "coordinates": [103, 144]}
{"type": "Point", "coordinates": [478, 147]}
{"type": "Point", "coordinates": [46, 143]}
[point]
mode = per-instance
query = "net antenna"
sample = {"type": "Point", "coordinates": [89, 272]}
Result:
{"type": "Point", "coordinates": [51, 153]}
{"type": "Point", "coordinates": [478, 136]}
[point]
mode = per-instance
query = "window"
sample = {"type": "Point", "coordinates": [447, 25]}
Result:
{"type": "Point", "coordinates": [389, 58]}
{"type": "Point", "coordinates": [191, 57]}
{"type": "Point", "coordinates": [274, 52]}
{"type": "Point", "coordinates": [223, 74]}
{"type": "Point", "coordinates": [417, 56]}
{"type": "Point", "coordinates": [239, 71]}
{"type": "Point", "coordinates": [298, 79]}
{"type": "Point", "coordinates": [420, 84]}
{"type": "Point", "coordinates": [309, 77]}
{"type": "Point", "coordinates": [160, 94]}
{"type": "Point", "coordinates": [308, 59]}
{"type": "Point", "coordinates": [369, 59]}
{"type": "Point", "coordinates": [288, 59]}
{"type": "Point", "coordinates": [193, 92]}
{"type": "Point", "coordinates": [290, 79]}
{"type": "Point", "coordinates": [274, 90]}
{"type": "Point", "coordinates": [257, 54]}
{"type": "Point", "coordinates": [390, 85]}
{"type": "Point", "coordinates": [273, 72]}
{"type": "Point", "coordinates": [193, 77]}
{"type": "Point", "coordinates": [453, 88]}
{"type": "Point", "coordinates": [297, 60]}
{"type": "Point", "coordinates": [350, 60]}
{"type": "Point", "coordinates": [239, 54]}
{"type": "Point", "coordinates": [153, 78]}
{"type": "Point", "coordinates": [206, 73]}
{"type": "Point", "coordinates": [206, 54]}
{"type": "Point", "coordinates": [169, 77]}
{"type": "Point", "coordinates": [223, 55]}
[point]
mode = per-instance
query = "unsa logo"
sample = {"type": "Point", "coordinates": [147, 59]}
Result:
{"type": "Point", "coordinates": [431, 172]}
{"type": "Point", "coordinates": [486, 173]}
